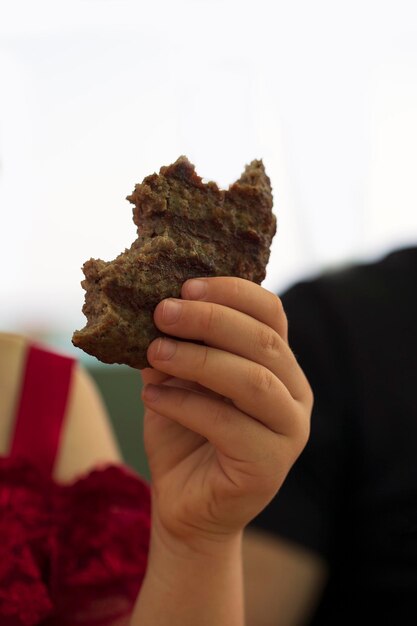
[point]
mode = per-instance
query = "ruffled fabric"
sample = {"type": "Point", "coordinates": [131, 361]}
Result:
{"type": "Point", "coordinates": [71, 554]}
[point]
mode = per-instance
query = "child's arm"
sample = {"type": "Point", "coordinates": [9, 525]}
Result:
{"type": "Point", "coordinates": [230, 418]}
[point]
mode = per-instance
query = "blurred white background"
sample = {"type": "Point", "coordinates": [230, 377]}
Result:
{"type": "Point", "coordinates": [95, 95]}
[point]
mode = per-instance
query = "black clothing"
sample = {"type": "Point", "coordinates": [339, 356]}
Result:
{"type": "Point", "coordinates": [352, 495]}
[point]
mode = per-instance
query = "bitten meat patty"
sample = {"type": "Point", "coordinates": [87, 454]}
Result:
{"type": "Point", "coordinates": [186, 229]}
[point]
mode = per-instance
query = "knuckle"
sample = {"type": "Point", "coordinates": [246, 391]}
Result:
{"type": "Point", "coordinates": [279, 306]}
{"type": "Point", "coordinates": [310, 397]}
{"type": "Point", "coordinates": [221, 414]}
{"type": "Point", "coordinates": [201, 363]}
{"type": "Point", "coordinates": [260, 379]}
{"type": "Point", "coordinates": [268, 341]}
{"type": "Point", "coordinates": [302, 429]}
{"type": "Point", "coordinates": [278, 313]}
{"type": "Point", "coordinates": [182, 397]}
{"type": "Point", "coordinates": [276, 304]}
{"type": "Point", "coordinates": [304, 433]}
{"type": "Point", "coordinates": [234, 287]}
{"type": "Point", "coordinates": [210, 319]}
{"type": "Point", "coordinates": [307, 397]}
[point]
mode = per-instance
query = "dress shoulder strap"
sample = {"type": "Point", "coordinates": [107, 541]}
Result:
{"type": "Point", "coordinates": [41, 407]}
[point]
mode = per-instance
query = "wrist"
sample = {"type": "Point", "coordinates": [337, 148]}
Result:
{"type": "Point", "coordinates": [190, 581]}
{"type": "Point", "coordinates": [194, 545]}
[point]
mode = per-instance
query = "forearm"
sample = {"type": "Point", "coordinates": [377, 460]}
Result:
{"type": "Point", "coordinates": [186, 586]}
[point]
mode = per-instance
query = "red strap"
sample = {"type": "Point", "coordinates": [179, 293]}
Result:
{"type": "Point", "coordinates": [42, 407]}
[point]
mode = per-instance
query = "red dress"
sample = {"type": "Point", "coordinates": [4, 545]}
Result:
{"type": "Point", "coordinates": [69, 554]}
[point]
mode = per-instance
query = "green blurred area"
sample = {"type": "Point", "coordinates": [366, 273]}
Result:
{"type": "Point", "coordinates": [120, 387]}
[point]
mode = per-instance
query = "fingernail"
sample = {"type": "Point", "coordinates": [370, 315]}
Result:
{"type": "Point", "coordinates": [196, 289]}
{"type": "Point", "coordinates": [151, 393]}
{"type": "Point", "coordinates": [171, 311]}
{"type": "Point", "coordinates": [165, 350]}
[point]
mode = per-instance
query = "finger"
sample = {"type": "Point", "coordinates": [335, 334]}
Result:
{"type": "Point", "coordinates": [226, 329]}
{"type": "Point", "coordinates": [190, 386]}
{"type": "Point", "coordinates": [241, 295]}
{"type": "Point", "coordinates": [233, 433]}
{"type": "Point", "coordinates": [152, 376]}
{"type": "Point", "coordinates": [252, 388]}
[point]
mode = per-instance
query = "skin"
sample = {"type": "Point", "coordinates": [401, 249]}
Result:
{"type": "Point", "coordinates": [216, 457]}
{"type": "Point", "coordinates": [84, 443]}
{"type": "Point", "coordinates": [283, 582]}
{"type": "Point", "coordinates": [225, 420]}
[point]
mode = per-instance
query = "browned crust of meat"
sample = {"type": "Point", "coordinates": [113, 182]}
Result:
{"type": "Point", "coordinates": [186, 229]}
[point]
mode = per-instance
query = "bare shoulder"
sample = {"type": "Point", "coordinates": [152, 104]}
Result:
{"type": "Point", "coordinates": [87, 437]}
{"type": "Point", "coordinates": [12, 358]}
{"type": "Point", "coordinates": [283, 581]}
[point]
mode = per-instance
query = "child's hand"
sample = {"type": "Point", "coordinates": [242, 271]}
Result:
{"type": "Point", "coordinates": [228, 416]}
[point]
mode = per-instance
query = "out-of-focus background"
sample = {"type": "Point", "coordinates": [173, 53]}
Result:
{"type": "Point", "coordinates": [96, 94]}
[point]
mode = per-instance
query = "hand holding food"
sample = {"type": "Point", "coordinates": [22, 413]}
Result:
{"type": "Point", "coordinates": [227, 416]}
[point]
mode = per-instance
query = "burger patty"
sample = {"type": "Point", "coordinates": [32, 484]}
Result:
{"type": "Point", "coordinates": [186, 228]}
